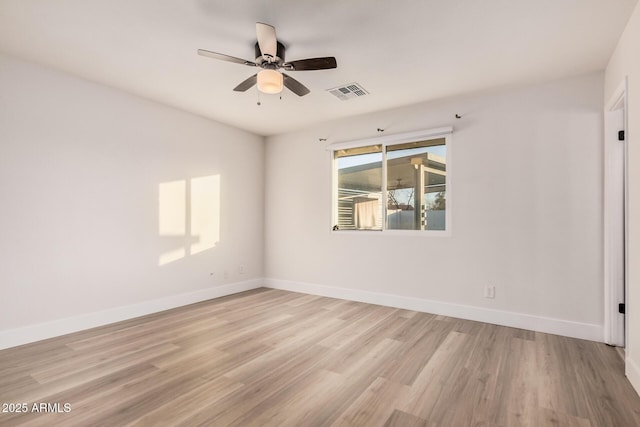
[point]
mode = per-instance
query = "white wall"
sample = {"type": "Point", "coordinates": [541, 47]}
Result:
{"type": "Point", "coordinates": [82, 167]}
{"type": "Point", "coordinates": [81, 172]}
{"type": "Point", "coordinates": [527, 212]}
{"type": "Point", "coordinates": [625, 62]}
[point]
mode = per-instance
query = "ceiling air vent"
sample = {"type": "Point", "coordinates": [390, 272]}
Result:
{"type": "Point", "coordinates": [348, 91]}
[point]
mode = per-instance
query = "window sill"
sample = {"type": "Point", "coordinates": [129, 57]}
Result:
{"type": "Point", "coordinates": [396, 233]}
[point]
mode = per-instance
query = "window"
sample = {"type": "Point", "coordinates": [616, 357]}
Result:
{"type": "Point", "coordinates": [359, 192]}
{"type": "Point", "coordinates": [395, 183]}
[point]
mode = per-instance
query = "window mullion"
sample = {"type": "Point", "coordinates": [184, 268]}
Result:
{"type": "Point", "coordinates": [384, 188]}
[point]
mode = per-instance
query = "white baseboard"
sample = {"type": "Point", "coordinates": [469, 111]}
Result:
{"type": "Point", "coordinates": [632, 371]}
{"type": "Point", "coordinates": [14, 337]}
{"type": "Point", "coordinates": [587, 331]}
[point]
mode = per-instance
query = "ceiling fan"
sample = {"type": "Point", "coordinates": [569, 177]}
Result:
{"type": "Point", "coordinates": [270, 57]}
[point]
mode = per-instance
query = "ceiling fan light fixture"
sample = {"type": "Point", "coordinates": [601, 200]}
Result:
{"type": "Point", "coordinates": [270, 81]}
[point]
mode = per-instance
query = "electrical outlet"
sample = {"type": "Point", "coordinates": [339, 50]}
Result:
{"type": "Point", "coordinates": [226, 275]}
{"type": "Point", "coordinates": [489, 291]}
{"type": "Point", "coordinates": [241, 269]}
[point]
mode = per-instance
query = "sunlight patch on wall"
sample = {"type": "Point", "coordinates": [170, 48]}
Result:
{"type": "Point", "coordinates": [188, 217]}
{"type": "Point", "coordinates": [205, 212]}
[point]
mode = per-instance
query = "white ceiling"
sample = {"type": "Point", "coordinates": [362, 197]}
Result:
{"type": "Point", "coordinates": [402, 51]}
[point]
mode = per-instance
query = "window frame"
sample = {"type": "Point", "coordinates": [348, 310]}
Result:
{"type": "Point", "coordinates": [385, 141]}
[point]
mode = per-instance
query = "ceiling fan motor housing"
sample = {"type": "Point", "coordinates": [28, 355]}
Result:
{"type": "Point", "coordinates": [278, 60]}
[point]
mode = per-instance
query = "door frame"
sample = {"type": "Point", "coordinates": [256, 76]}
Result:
{"type": "Point", "coordinates": [615, 218]}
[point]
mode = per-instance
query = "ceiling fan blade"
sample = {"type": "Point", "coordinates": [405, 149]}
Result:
{"type": "Point", "coordinates": [267, 40]}
{"type": "Point", "coordinates": [311, 64]}
{"type": "Point", "coordinates": [248, 83]}
{"type": "Point", "coordinates": [224, 57]}
{"type": "Point", "coordinates": [295, 86]}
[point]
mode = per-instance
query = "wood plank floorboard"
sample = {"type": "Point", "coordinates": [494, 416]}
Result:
{"type": "Point", "coordinates": [276, 358]}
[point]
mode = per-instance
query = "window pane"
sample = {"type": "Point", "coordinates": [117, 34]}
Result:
{"type": "Point", "coordinates": [359, 204]}
{"type": "Point", "coordinates": [416, 185]}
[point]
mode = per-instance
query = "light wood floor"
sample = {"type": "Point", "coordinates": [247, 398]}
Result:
{"type": "Point", "coordinates": [278, 358]}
